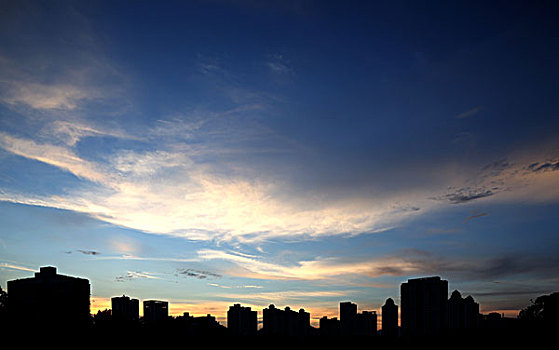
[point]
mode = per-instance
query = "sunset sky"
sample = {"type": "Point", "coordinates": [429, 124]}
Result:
{"type": "Point", "coordinates": [299, 153]}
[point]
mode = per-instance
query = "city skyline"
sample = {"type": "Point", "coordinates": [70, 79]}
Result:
{"type": "Point", "coordinates": [60, 300]}
{"type": "Point", "coordinates": [208, 153]}
{"type": "Point", "coordinates": [427, 291]}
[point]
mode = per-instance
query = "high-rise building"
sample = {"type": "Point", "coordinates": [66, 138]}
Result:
{"type": "Point", "coordinates": [285, 322]}
{"type": "Point", "coordinates": [424, 306]}
{"type": "Point", "coordinates": [242, 321]}
{"type": "Point", "coordinates": [125, 309]}
{"type": "Point", "coordinates": [49, 299]}
{"type": "Point", "coordinates": [330, 327]}
{"type": "Point", "coordinates": [156, 310]}
{"type": "Point", "coordinates": [463, 313]}
{"type": "Point", "coordinates": [390, 318]}
{"type": "Point", "coordinates": [365, 324]}
{"type": "Point", "coordinates": [353, 323]}
{"type": "Point", "coordinates": [348, 313]}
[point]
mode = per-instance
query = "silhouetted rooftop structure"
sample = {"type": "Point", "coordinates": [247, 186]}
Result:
{"type": "Point", "coordinates": [49, 299]}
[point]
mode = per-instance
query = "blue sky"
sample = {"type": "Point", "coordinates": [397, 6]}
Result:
{"type": "Point", "coordinates": [299, 153]}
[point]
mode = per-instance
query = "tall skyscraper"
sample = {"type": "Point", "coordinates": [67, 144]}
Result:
{"type": "Point", "coordinates": [390, 318]}
{"type": "Point", "coordinates": [241, 320]}
{"type": "Point", "coordinates": [348, 313]}
{"type": "Point", "coordinates": [424, 306]}
{"type": "Point", "coordinates": [125, 309]}
{"type": "Point", "coordinates": [49, 299]}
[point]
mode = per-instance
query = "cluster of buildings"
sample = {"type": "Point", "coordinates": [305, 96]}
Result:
{"type": "Point", "coordinates": [425, 310]}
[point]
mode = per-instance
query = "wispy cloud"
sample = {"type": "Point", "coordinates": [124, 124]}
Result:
{"type": "Point", "coordinates": [471, 217]}
{"type": "Point", "coordinates": [57, 156]}
{"type": "Point", "coordinates": [407, 263]}
{"type": "Point", "coordinates": [199, 274]}
{"type": "Point", "coordinates": [173, 190]}
{"type": "Point", "coordinates": [469, 113]}
{"type": "Point", "coordinates": [132, 275]}
{"type": "Point", "coordinates": [16, 267]}
{"type": "Point", "coordinates": [235, 287]}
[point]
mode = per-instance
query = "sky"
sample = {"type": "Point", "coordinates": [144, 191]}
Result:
{"type": "Point", "coordinates": [295, 153]}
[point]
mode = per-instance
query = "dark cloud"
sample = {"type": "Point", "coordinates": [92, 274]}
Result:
{"type": "Point", "coordinates": [502, 266]}
{"type": "Point", "coordinates": [409, 208]}
{"type": "Point", "coordinates": [199, 274]}
{"type": "Point", "coordinates": [88, 252]}
{"type": "Point", "coordinates": [124, 278]}
{"type": "Point", "coordinates": [475, 217]}
{"type": "Point", "coordinates": [467, 194]}
{"type": "Point", "coordinates": [495, 168]}
{"type": "Point", "coordinates": [543, 166]}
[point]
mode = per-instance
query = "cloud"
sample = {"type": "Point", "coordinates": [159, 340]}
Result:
{"type": "Point", "coordinates": [40, 96]}
{"type": "Point", "coordinates": [286, 297]}
{"type": "Point", "coordinates": [16, 267]}
{"type": "Point", "coordinates": [57, 156]}
{"type": "Point", "coordinates": [475, 217]}
{"type": "Point", "coordinates": [278, 65]}
{"type": "Point", "coordinates": [552, 165]}
{"type": "Point", "coordinates": [179, 189]}
{"type": "Point", "coordinates": [88, 252]}
{"type": "Point", "coordinates": [235, 287]}
{"type": "Point", "coordinates": [469, 113]}
{"type": "Point", "coordinates": [464, 195]}
{"type": "Point", "coordinates": [308, 270]}
{"type": "Point", "coordinates": [196, 273]}
{"type": "Point", "coordinates": [131, 275]}
{"type": "Point", "coordinates": [404, 263]}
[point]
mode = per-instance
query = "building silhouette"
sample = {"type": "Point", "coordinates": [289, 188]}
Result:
{"type": "Point", "coordinates": [463, 313]}
{"type": "Point", "coordinates": [353, 323]}
{"type": "Point", "coordinates": [49, 299]}
{"type": "Point", "coordinates": [242, 321]}
{"type": "Point", "coordinates": [365, 324]}
{"type": "Point", "coordinates": [330, 327]}
{"type": "Point", "coordinates": [390, 318]}
{"type": "Point", "coordinates": [285, 322]}
{"type": "Point", "coordinates": [424, 306]}
{"type": "Point", "coordinates": [348, 314]}
{"type": "Point", "coordinates": [125, 309]}
{"type": "Point", "coordinates": [156, 310]}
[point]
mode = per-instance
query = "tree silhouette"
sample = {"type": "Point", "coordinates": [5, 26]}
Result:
{"type": "Point", "coordinates": [545, 309]}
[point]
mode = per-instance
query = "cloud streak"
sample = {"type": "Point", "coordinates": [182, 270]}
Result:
{"type": "Point", "coordinates": [408, 263]}
{"type": "Point", "coordinates": [172, 190]}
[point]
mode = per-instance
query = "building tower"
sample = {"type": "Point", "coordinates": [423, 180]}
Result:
{"type": "Point", "coordinates": [49, 299]}
{"type": "Point", "coordinates": [463, 313]}
{"type": "Point", "coordinates": [424, 306]}
{"type": "Point", "coordinates": [242, 321]}
{"type": "Point", "coordinates": [156, 310]}
{"type": "Point", "coordinates": [348, 314]}
{"type": "Point", "coordinates": [390, 318]}
{"type": "Point", "coordinates": [125, 309]}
